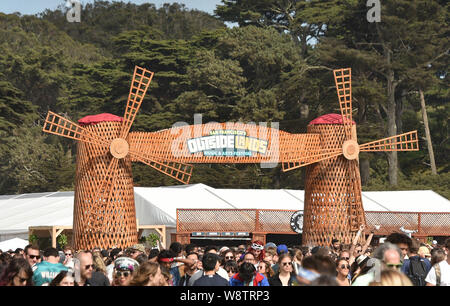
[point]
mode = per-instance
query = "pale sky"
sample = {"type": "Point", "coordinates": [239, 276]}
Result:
{"type": "Point", "coordinates": [31, 7]}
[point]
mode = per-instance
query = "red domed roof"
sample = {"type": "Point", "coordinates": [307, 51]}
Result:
{"type": "Point", "coordinates": [94, 119]}
{"type": "Point", "coordinates": [329, 119]}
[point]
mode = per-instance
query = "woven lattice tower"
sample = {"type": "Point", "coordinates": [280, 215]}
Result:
{"type": "Point", "coordinates": [333, 207]}
{"type": "Point", "coordinates": [118, 216]}
{"type": "Point", "coordinates": [104, 211]}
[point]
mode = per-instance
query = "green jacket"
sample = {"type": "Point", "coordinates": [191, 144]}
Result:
{"type": "Point", "coordinates": [46, 272]}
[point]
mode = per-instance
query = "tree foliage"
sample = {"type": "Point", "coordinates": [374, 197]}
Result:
{"type": "Point", "coordinates": [275, 66]}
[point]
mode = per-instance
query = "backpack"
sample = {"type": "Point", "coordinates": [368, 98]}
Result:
{"type": "Point", "coordinates": [437, 269]}
{"type": "Point", "coordinates": [417, 271]}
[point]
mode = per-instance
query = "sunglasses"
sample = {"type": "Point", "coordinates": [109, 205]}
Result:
{"type": "Point", "coordinates": [260, 267]}
{"type": "Point", "coordinates": [124, 273]}
{"type": "Point", "coordinates": [287, 263]}
{"type": "Point", "coordinates": [345, 267]}
{"type": "Point", "coordinates": [394, 266]}
{"type": "Point", "coordinates": [87, 267]}
{"type": "Point", "coordinates": [344, 258]}
{"type": "Point", "coordinates": [34, 256]}
{"type": "Point", "coordinates": [68, 254]}
{"type": "Point", "coordinates": [229, 257]}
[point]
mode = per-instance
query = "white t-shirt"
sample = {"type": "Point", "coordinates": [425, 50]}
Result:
{"type": "Point", "coordinates": [109, 272]}
{"type": "Point", "coordinates": [445, 274]}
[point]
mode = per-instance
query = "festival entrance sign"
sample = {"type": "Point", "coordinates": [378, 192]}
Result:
{"type": "Point", "coordinates": [104, 212]}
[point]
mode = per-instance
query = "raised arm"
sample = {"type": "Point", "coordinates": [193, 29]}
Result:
{"type": "Point", "coordinates": [367, 244]}
{"type": "Point", "coordinates": [354, 242]}
{"type": "Point", "coordinates": [186, 261]}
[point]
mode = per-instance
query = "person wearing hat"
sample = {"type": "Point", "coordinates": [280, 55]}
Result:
{"type": "Point", "coordinates": [257, 249]}
{"type": "Point", "coordinates": [270, 245]}
{"type": "Point", "coordinates": [416, 267]}
{"type": "Point", "coordinates": [136, 250]}
{"type": "Point", "coordinates": [124, 269]}
{"type": "Point", "coordinates": [424, 252]}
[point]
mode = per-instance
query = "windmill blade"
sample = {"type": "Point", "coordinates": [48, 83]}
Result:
{"type": "Point", "coordinates": [58, 125]}
{"type": "Point", "coordinates": [179, 171]}
{"type": "Point", "coordinates": [139, 85]}
{"type": "Point", "coordinates": [343, 80]}
{"type": "Point", "coordinates": [288, 165]}
{"type": "Point", "coordinates": [403, 142]}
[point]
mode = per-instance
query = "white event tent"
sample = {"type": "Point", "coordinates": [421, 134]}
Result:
{"type": "Point", "coordinates": [158, 205]}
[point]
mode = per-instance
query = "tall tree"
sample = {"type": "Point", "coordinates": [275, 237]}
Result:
{"type": "Point", "coordinates": [394, 48]}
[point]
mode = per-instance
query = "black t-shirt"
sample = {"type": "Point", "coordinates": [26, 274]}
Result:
{"type": "Point", "coordinates": [211, 280]}
{"type": "Point", "coordinates": [97, 279]}
{"type": "Point", "coordinates": [184, 280]}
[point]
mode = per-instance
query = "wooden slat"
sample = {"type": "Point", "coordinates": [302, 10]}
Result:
{"type": "Point", "coordinates": [139, 85]}
{"type": "Point", "coordinates": [343, 81]}
{"type": "Point", "coordinates": [403, 142]}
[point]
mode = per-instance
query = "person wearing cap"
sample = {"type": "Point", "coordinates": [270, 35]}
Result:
{"type": "Point", "coordinates": [124, 270]}
{"type": "Point", "coordinates": [136, 250]}
{"type": "Point", "coordinates": [270, 245]}
{"type": "Point", "coordinates": [424, 252]}
{"type": "Point", "coordinates": [422, 265]}
{"type": "Point", "coordinates": [434, 244]}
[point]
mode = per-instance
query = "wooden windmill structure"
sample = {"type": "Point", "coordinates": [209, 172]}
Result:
{"type": "Point", "coordinates": [333, 206]}
{"type": "Point", "coordinates": [104, 209]}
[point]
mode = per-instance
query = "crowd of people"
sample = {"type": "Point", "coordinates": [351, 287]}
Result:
{"type": "Point", "coordinates": [399, 260]}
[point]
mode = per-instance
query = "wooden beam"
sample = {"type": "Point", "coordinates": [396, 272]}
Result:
{"type": "Point", "coordinates": [53, 235]}
{"type": "Point", "coordinates": [59, 232]}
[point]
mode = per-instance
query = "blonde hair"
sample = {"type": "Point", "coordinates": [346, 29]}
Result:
{"type": "Point", "coordinates": [392, 278]}
{"type": "Point", "coordinates": [142, 276]}
{"type": "Point", "coordinates": [98, 262]}
{"type": "Point", "coordinates": [271, 251]}
{"type": "Point", "coordinates": [298, 255]}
